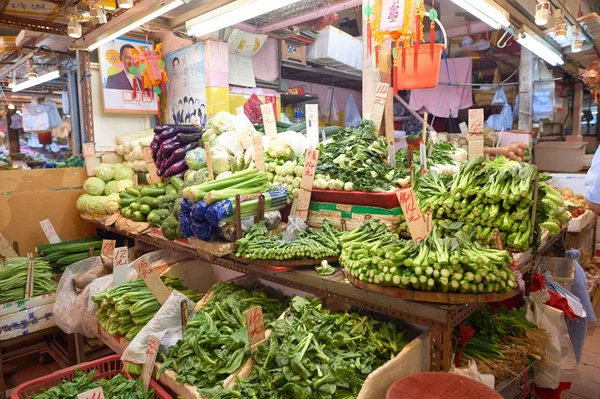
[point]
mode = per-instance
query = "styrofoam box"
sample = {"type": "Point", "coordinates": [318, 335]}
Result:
{"type": "Point", "coordinates": [574, 181]}
{"type": "Point", "coordinates": [578, 224]}
{"type": "Point", "coordinates": [334, 46]}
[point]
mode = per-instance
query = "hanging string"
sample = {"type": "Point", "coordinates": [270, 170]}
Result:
{"type": "Point", "coordinates": [432, 17]}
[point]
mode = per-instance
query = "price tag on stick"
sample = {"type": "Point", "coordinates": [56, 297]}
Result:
{"type": "Point", "coordinates": [152, 280]}
{"type": "Point", "coordinates": [151, 352]}
{"type": "Point", "coordinates": [209, 164]}
{"type": "Point", "coordinates": [255, 325]}
{"type": "Point", "coordinates": [312, 124]}
{"type": "Point", "coordinates": [475, 136]}
{"type": "Point", "coordinates": [308, 176]}
{"type": "Point", "coordinates": [152, 170]}
{"type": "Point", "coordinates": [417, 226]}
{"type": "Point", "coordinates": [120, 263]}
{"type": "Point", "coordinates": [184, 313]}
{"type": "Point", "coordinates": [268, 117]}
{"type": "Point", "coordinates": [379, 104]}
{"type": "Point", "coordinates": [49, 231]}
{"type": "Point", "coordinates": [95, 393]}
{"type": "Point", "coordinates": [108, 248]}
{"type": "Point", "coordinates": [259, 154]}
{"type": "Point", "coordinates": [89, 155]}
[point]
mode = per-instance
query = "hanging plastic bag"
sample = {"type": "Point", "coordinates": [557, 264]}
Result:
{"type": "Point", "coordinates": [331, 110]}
{"type": "Point", "coordinates": [35, 117]}
{"type": "Point", "coordinates": [351, 113]}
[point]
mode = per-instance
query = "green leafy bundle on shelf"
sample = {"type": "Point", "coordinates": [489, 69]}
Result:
{"type": "Point", "coordinates": [13, 279]}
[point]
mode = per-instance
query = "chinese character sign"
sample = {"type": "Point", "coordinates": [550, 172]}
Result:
{"type": "Point", "coordinates": [152, 280]}
{"type": "Point", "coordinates": [476, 120]}
{"type": "Point", "coordinates": [381, 96]}
{"type": "Point", "coordinates": [49, 231]}
{"type": "Point", "coordinates": [255, 325]}
{"type": "Point", "coordinates": [151, 352]}
{"type": "Point", "coordinates": [414, 218]}
{"type": "Point", "coordinates": [120, 261]}
{"type": "Point", "coordinates": [311, 159]}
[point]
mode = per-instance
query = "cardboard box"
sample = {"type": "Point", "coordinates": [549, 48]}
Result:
{"type": "Point", "coordinates": [558, 156]}
{"type": "Point", "coordinates": [292, 50]}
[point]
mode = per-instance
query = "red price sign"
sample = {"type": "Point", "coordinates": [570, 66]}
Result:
{"type": "Point", "coordinates": [268, 117]}
{"type": "Point", "coordinates": [255, 325]}
{"type": "Point", "coordinates": [89, 150]}
{"type": "Point", "coordinates": [151, 352]}
{"type": "Point", "coordinates": [416, 223]}
{"type": "Point", "coordinates": [152, 280]}
{"type": "Point", "coordinates": [120, 262]}
{"type": "Point", "coordinates": [476, 120]}
{"type": "Point", "coordinates": [143, 268]}
{"type": "Point", "coordinates": [49, 231]}
{"type": "Point", "coordinates": [311, 159]}
{"type": "Point", "coordinates": [96, 393]}
{"type": "Point", "coordinates": [108, 248]}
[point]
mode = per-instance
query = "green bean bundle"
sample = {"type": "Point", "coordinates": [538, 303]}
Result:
{"type": "Point", "coordinates": [13, 279]}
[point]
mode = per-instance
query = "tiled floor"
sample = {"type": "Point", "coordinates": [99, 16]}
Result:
{"type": "Point", "coordinates": [589, 369]}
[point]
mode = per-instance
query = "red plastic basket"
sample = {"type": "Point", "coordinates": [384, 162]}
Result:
{"type": "Point", "coordinates": [106, 368]}
{"type": "Point", "coordinates": [387, 200]}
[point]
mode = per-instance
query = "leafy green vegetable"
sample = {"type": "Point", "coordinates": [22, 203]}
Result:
{"type": "Point", "coordinates": [105, 171]}
{"type": "Point", "coordinates": [94, 186]}
{"type": "Point", "coordinates": [325, 269]}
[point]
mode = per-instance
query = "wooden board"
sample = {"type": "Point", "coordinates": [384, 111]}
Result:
{"type": "Point", "coordinates": [436, 297]}
{"type": "Point", "coordinates": [30, 196]}
{"type": "Point", "coordinates": [283, 263]}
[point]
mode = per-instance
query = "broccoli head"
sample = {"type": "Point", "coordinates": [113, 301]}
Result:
{"type": "Point", "coordinates": [170, 227]}
{"type": "Point", "coordinates": [167, 201]}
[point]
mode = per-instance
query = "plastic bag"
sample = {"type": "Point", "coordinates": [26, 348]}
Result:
{"type": "Point", "coordinates": [351, 113]}
{"type": "Point", "coordinates": [295, 140]}
{"type": "Point", "coordinates": [472, 372]}
{"type": "Point", "coordinates": [69, 305]}
{"type": "Point", "coordinates": [331, 110]}
{"type": "Point", "coordinates": [35, 117]}
{"type": "Point", "coordinates": [165, 325]}
{"type": "Point", "coordinates": [294, 224]}
{"type": "Point", "coordinates": [561, 365]}
{"type": "Point", "coordinates": [579, 287]}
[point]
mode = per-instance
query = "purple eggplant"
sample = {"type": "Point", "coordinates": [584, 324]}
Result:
{"type": "Point", "coordinates": [189, 137]}
{"type": "Point", "coordinates": [154, 149]}
{"type": "Point", "coordinates": [168, 146]}
{"type": "Point", "coordinates": [179, 154]}
{"type": "Point", "coordinates": [177, 167]}
{"type": "Point", "coordinates": [167, 134]}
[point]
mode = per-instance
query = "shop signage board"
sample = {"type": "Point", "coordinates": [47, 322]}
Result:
{"type": "Point", "coordinates": [259, 155]}
{"type": "Point", "coordinates": [308, 176]}
{"type": "Point", "coordinates": [89, 155]}
{"type": "Point", "coordinates": [381, 97]}
{"type": "Point", "coordinates": [95, 393]}
{"type": "Point", "coordinates": [152, 170]}
{"type": "Point", "coordinates": [50, 232]}
{"type": "Point", "coordinates": [151, 352]}
{"type": "Point", "coordinates": [417, 227]}
{"type": "Point", "coordinates": [255, 325]}
{"type": "Point", "coordinates": [120, 263]}
{"type": "Point", "coordinates": [268, 117]}
{"type": "Point", "coordinates": [475, 135]}
{"type": "Point", "coordinates": [152, 280]}
{"type": "Point", "coordinates": [312, 124]}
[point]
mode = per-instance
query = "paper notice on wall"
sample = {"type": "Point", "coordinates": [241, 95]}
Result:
{"type": "Point", "coordinates": [241, 71]}
{"type": "Point", "coordinates": [244, 43]}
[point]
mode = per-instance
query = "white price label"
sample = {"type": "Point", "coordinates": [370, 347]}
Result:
{"type": "Point", "coordinates": [120, 262]}
{"type": "Point", "coordinates": [49, 231]}
{"type": "Point", "coordinates": [151, 352]}
{"type": "Point", "coordinates": [269, 119]}
{"type": "Point", "coordinates": [152, 280]}
{"type": "Point", "coordinates": [95, 393]}
{"type": "Point", "coordinates": [312, 124]}
{"type": "Point", "coordinates": [89, 154]}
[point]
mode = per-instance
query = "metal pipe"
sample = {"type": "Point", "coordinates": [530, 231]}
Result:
{"type": "Point", "coordinates": [414, 113]}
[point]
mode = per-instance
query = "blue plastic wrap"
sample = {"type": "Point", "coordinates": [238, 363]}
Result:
{"type": "Point", "coordinates": [198, 211]}
{"type": "Point", "coordinates": [223, 211]}
{"type": "Point", "coordinates": [185, 225]}
{"type": "Point", "coordinates": [204, 231]}
{"type": "Point", "coordinates": [219, 211]}
{"type": "Point", "coordinates": [186, 207]}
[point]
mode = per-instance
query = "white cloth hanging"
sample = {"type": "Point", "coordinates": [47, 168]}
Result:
{"type": "Point", "coordinates": [35, 117]}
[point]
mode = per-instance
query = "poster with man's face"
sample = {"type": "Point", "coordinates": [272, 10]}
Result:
{"type": "Point", "coordinates": [124, 89]}
{"type": "Point", "coordinates": [186, 89]}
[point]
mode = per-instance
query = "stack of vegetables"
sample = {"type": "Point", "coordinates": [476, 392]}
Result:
{"type": "Point", "coordinates": [355, 160]}
{"type": "Point", "coordinates": [209, 205]}
{"type": "Point", "coordinates": [102, 191]}
{"type": "Point", "coordinates": [170, 146]}
{"type": "Point", "coordinates": [502, 342]}
{"type": "Point", "coordinates": [576, 203]}
{"type": "Point", "coordinates": [283, 167]}
{"type": "Point", "coordinates": [481, 197]}
{"type": "Point", "coordinates": [13, 279]}
{"type": "Point", "coordinates": [215, 341]}
{"type": "Point", "coordinates": [314, 353]}
{"type": "Point", "coordinates": [373, 254]}
{"type": "Point", "coordinates": [125, 309]}
{"type": "Point", "coordinates": [308, 244]}
{"type": "Point", "coordinates": [552, 211]}
{"type": "Point", "coordinates": [130, 147]}
{"type": "Point", "coordinates": [152, 204]}
{"type": "Point", "coordinates": [443, 158]}
{"type": "Point", "coordinates": [65, 253]}
{"type": "Point", "coordinates": [117, 387]}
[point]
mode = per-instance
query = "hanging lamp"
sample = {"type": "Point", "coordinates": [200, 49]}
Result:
{"type": "Point", "coordinates": [542, 13]}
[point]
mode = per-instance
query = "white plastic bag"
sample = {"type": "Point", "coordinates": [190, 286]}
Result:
{"type": "Point", "coordinates": [471, 372]}
{"type": "Point", "coordinates": [351, 113]}
{"type": "Point", "coordinates": [561, 365]}
{"type": "Point", "coordinates": [35, 117]}
{"type": "Point", "coordinates": [165, 325]}
{"type": "Point", "coordinates": [331, 110]}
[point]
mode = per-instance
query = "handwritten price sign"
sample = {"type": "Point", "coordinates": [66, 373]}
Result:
{"type": "Point", "coordinates": [96, 393]}
{"type": "Point", "coordinates": [49, 231]}
{"type": "Point", "coordinates": [89, 154]}
{"type": "Point", "coordinates": [259, 153]}
{"type": "Point", "coordinates": [417, 226]}
{"type": "Point", "coordinates": [476, 120]}
{"type": "Point", "coordinates": [268, 117]}
{"type": "Point", "coordinates": [308, 176]}
{"type": "Point", "coordinates": [312, 124]}
{"type": "Point", "coordinates": [151, 352]}
{"type": "Point", "coordinates": [152, 280]}
{"type": "Point", "coordinates": [255, 325]}
{"type": "Point", "coordinates": [379, 103]}
{"type": "Point", "coordinates": [120, 262]}
{"type": "Point", "coordinates": [108, 248]}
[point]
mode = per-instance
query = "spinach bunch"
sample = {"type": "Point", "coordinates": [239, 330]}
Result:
{"type": "Point", "coordinates": [356, 155]}
{"type": "Point", "coordinates": [215, 342]}
{"type": "Point", "coordinates": [316, 354]}
{"type": "Point", "coordinates": [118, 387]}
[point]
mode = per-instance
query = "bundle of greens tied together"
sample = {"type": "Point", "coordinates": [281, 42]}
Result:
{"type": "Point", "coordinates": [373, 254]}
{"type": "Point", "coordinates": [13, 279]}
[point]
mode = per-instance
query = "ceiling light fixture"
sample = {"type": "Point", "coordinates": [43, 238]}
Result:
{"type": "Point", "coordinates": [11, 106]}
{"type": "Point", "coordinates": [486, 11]}
{"type": "Point", "coordinates": [125, 22]}
{"type": "Point", "coordinates": [577, 43]}
{"type": "Point", "coordinates": [13, 81]}
{"type": "Point", "coordinates": [532, 42]}
{"type": "Point", "coordinates": [48, 76]}
{"type": "Point", "coordinates": [74, 28]}
{"type": "Point", "coordinates": [98, 16]}
{"type": "Point", "coordinates": [542, 13]}
{"type": "Point", "coordinates": [31, 73]}
{"type": "Point", "coordinates": [125, 3]}
{"type": "Point", "coordinates": [232, 13]}
{"type": "Point", "coordinates": [560, 25]}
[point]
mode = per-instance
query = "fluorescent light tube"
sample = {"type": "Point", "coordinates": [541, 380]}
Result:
{"type": "Point", "coordinates": [37, 81]}
{"type": "Point", "coordinates": [232, 13]}
{"type": "Point", "coordinates": [536, 45]}
{"type": "Point", "coordinates": [135, 24]}
{"type": "Point", "coordinates": [489, 13]}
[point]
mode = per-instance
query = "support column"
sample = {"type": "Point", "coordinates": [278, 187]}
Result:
{"type": "Point", "coordinates": [12, 135]}
{"type": "Point", "coordinates": [526, 89]}
{"type": "Point", "coordinates": [577, 105]}
{"type": "Point", "coordinates": [85, 100]}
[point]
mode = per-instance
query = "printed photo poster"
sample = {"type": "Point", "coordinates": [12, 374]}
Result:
{"type": "Point", "coordinates": [186, 89]}
{"type": "Point", "coordinates": [120, 72]}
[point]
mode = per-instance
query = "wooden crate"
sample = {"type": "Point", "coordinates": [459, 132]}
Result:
{"type": "Point", "coordinates": [292, 50]}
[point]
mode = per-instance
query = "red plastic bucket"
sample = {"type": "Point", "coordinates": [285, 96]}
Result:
{"type": "Point", "coordinates": [427, 72]}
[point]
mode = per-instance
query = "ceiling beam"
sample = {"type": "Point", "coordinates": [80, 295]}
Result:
{"type": "Point", "coordinates": [196, 12]}
{"type": "Point", "coordinates": [12, 21]}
